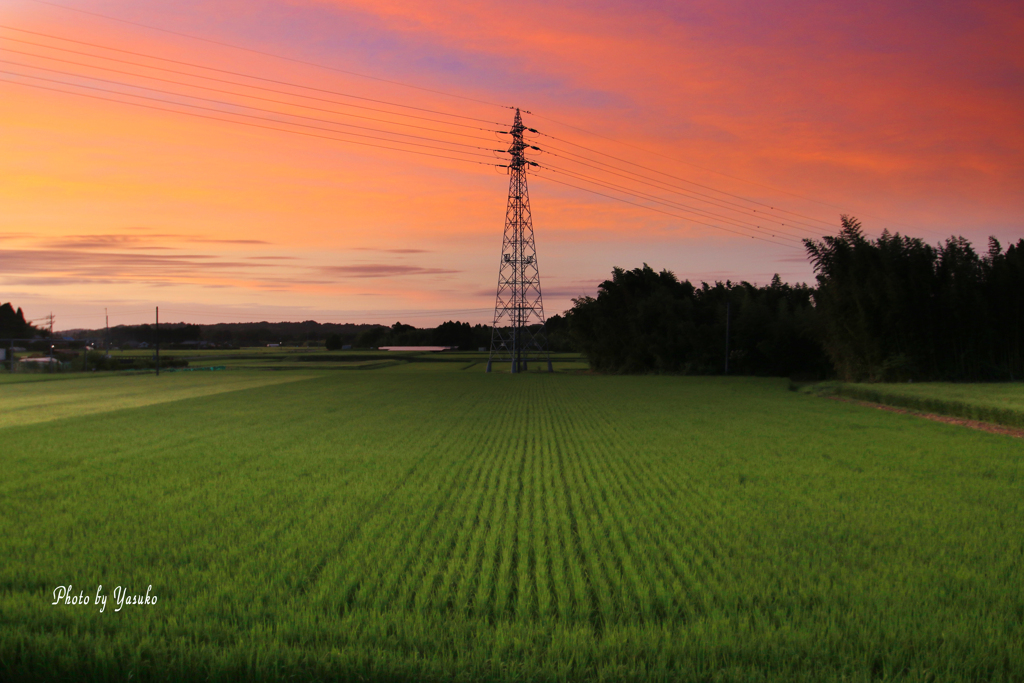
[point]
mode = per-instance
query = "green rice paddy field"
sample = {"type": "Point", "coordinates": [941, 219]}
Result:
{"type": "Point", "coordinates": [431, 522]}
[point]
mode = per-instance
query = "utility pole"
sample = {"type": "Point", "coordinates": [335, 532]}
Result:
{"type": "Point", "coordinates": [107, 316]}
{"type": "Point", "coordinates": [157, 341]}
{"type": "Point", "coordinates": [50, 319]}
{"type": "Point", "coordinates": [727, 312]}
{"type": "Point", "coordinates": [518, 302]}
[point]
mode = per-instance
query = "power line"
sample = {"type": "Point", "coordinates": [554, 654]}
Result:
{"type": "Point", "coordinates": [116, 312]}
{"type": "Point", "coordinates": [229, 104]}
{"type": "Point", "coordinates": [231, 92]}
{"type": "Point", "coordinates": [243, 85]}
{"type": "Point", "coordinates": [251, 116]}
{"type": "Point", "coordinates": [651, 208]}
{"type": "Point", "coordinates": [572, 157]}
{"type": "Point", "coordinates": [710, 170]}
{"type": "Point", "coordinates": [662, 185]}
{"type": "Point", "coordinates": [275, 56]}
{"type": "Point", "coordinates": [674, 177]}
{"type": "Point", "coordinates": [657, 200]}
{"type": "Point", "coordinates": [236, 73]}
{"type": "Point", "coordinates": [252, 125]}
{"type": "Point", "coordinates": [338, 315]}
{"type": "Point", "coordinates": [665, 156]}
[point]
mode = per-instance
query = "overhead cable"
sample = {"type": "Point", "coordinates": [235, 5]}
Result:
{"type": "Point", "coordinates": [275, 56]}
{"type": "Point", "coordinates": [649, 197]}
{"type": "Point", "coordinates": [251, 125]}
{"type": "Point", "coordinates": [244, 75]}
{"type": "Point", "coordinates": [238, 94]}
{"type": "Point", "coordinates": [700, 197]}
{"type": "Point", "coordinates": [683, 180]}
{"type": "Point", "coordinates": [233, 104]}
{"type": "Point", "coordinates": [680, 161]}
{"type": "Point", "coordinates": [667, 213]}
{"type": "Point", "coordinates": [250, 116]}
{"type": "Point", "coordinates": [243, 85]}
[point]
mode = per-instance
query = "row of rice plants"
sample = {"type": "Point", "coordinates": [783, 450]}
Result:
{"type": "Point", "coordinates": [368, 567]}
{"type": "Point", "coordinates": [632, 571]}
{"type": "Point", "coordinates": [471, 592]}
{"type": "Point", "coordinates": [571, 592]}
{"type": "Point", "coordinates": [453, 530]}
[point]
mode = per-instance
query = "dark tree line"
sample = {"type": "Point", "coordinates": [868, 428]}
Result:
{"type": "Point", "coordinates": [307, 333]}
{"type": "Point", "coordinates": [462, 335]}
{"type": "Point", "coordinates": [646, 321]}
{"type": "Point", "coordinates": [890, 309]}
{"type": "Point", "coordinates": [897, 308]}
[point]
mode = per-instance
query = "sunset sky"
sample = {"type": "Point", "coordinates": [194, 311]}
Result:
{"type": "Point", "coordinates": [909, 116]}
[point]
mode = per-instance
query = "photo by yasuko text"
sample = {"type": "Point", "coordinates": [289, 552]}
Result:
{"type": "Point", "coordinates": [63, 595]}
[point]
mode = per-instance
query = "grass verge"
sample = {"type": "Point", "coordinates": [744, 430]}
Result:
{"type": "Point", "coordinates": [1001, 404]}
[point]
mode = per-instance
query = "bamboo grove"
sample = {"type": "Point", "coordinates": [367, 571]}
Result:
{"type": "Point", "coordinates": [888, 309]}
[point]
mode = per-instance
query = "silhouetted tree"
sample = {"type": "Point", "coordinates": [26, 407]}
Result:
{"type": "Point", "coordinates": [897, 308]}
{"type": "Point", "coordinates": [644, 321]}
{"type": "Point", "coordinates": [13, 324]}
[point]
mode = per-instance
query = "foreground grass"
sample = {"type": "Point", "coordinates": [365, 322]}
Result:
{"type": "Point", "coordinates": [1000, 403]}
{"type": "Point", "coordinates": [402, 525]}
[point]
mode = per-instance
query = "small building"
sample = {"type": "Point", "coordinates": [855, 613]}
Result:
{"type": "Point", "coordinates": [45, 361]}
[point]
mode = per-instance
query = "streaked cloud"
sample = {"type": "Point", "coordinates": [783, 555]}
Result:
{"type": "Point", "coordinates": [140, 241]}
{"type": "Point", "coordinates": [371, 270]}
{"type": "Point", "coordinates": [394, 251]}
{"type": "Point", "coordinates": [52, 267]}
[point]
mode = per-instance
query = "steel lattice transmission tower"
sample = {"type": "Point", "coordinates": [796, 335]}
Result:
{"type": "Point", "coordinates": [518, 304]}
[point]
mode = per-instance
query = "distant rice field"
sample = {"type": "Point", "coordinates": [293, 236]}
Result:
{"type": "Point", "coordinates": [427, 521]}
{"type": "Point", "coordinates": [27, 402]}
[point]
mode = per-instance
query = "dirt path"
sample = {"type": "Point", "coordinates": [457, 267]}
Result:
{"type": "Point", "coordinates": [973, 424]}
